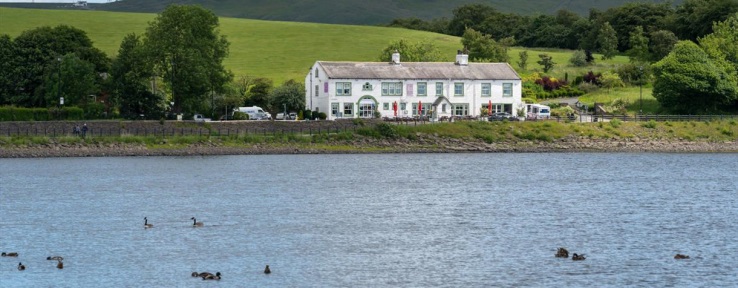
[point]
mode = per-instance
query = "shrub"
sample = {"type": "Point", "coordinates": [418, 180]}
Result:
{"type": "Point", "coordinates": [651, 124]}
{"type": "Point", "coordinates": [587, 87]}
{"type": "Point", "coordinates": [592, 78]}
{"type": "Point", "coordinates": [550, 84]}
{"type": "Point", "coordinates": [386, 130]}
{"type": "Point", "coordinates": [615, 123]}
{"type": "Point", "coordinates": [308, 114]}
{"type": "Point", "coordinates": [322, 116]}
{"type": "Point", "coordinates": [358, 121]}
{"type": "Point", "coordinates": [578, 59]}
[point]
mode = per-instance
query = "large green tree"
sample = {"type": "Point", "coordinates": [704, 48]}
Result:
{"type": "Point", "coordinates": [608, 41]}
{"type": "Point", "coordinates": [469, 16]}
{"type": "Point", "coordinates": [412, 52]}
{"type": "Point", "coordinates": [38, 52]}
{"type": "Point", "coordinates": [130, 76]}
{"type": "Point", "coordinates": [291, 95]}
{"type": "Point", "coordinates": [722, 44]}
{"type": "Point", "coordinates": [624, 19]}
{"type": "Point", "coordinates": [258, 92]}
{"type": "Point", "coordinates": [75, 80]}
{"type": "Point", "coordinates": [694, 18]}
{"type": "Point", "coordinates": [482, 48]}
{"type": "Point", "coordinates": [661, 43]}
{"type": "Point", "coordinates": [7, 67]}
{"type": "Point", "coordinates": [689, 81]}
{"type": "Point", "coordinates": [187, 50]}
{"type": "Point", "coordinates": [638, 51]}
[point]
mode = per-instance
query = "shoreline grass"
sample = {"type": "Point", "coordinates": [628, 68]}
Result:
{"type": "Point", "coordinates": [487, 132]}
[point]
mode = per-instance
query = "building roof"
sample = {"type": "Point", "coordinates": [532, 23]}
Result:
{"type": "Point", "coordinates": [418, 70]}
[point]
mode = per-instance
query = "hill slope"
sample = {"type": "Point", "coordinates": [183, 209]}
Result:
{"type": "Point", "coordinates": [361, 11]}
{"type": "Point", "coordinates": [276, 50]}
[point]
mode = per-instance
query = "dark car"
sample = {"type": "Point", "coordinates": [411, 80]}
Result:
{"type": "Point", "coordinates": [500, 116]}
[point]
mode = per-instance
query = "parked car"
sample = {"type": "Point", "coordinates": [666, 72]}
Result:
{"type": "Point", "coordinates": [280, 116]}
{"type": "Point", "coordinates": [500, 116]}
{"type": "Point", "coordinates": [200, 118]}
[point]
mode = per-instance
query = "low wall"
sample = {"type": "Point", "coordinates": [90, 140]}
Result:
{"type": "Point", "coordinates": [144, 128]}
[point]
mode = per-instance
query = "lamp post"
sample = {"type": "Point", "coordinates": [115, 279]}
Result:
{"type": "Point", "coordinates": [640, 87]}
{"type": "Point", "coordinates": [59, 85]}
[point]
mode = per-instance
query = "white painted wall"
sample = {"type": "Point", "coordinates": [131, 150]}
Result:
{"type": "Point", "coordinates": [472, 94]}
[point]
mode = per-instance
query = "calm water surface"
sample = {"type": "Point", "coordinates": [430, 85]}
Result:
{"type": "Point", "coordinates": [408, 220]}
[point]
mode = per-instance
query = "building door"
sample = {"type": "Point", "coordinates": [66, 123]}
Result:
{"type": "Point", "coordinates": [366, 108]}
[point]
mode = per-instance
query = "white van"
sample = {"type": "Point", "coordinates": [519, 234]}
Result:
{"type": "Point", "coordinates": [538, 111]}
{"type": "Point", "coordinates": [254, 112]}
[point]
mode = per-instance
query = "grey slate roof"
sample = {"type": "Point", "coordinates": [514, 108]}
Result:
{"type": "Point", "coordinates": [419, 70]}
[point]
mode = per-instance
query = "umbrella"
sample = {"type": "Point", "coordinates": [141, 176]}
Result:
{"type": "Point", "coordinates": [420, 107]}
{"type": "Point", "coordinates": [489, 109]}
{"type": "Point", "coordinates": [394, 107]}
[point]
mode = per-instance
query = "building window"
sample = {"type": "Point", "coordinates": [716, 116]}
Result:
{"type": "Point", "coordinates": [392, 89]}
{"type": "Point", "coordinates": [334, 109]}
{"type": "Point", "coordinates": [403, 107]}
{"type": "Point", "coordinates": [316, 72]}
{"type": "Point", "coordinates": [367, 87]}
{"type": "Point", "coordinates": [461, 109]}
{"type": "Point", "coordinates": [385, 106]}
{"type": "Point", "coordinates": [439, 88]}
{"type": "Point", "coordinates": [343, 88]}
{"type": "Point", "coordinates": [424, 109]}
{"type": "Point", "coordinates": [458, 89]}
{"type": "Point", "coordinates": [443, 108]}
{"type": "Point", "coordinates": [317, 90]}
{"type": "Point", "coordinates": [422, 89]}
{"type": "Point", "coordinates": [348, 109]}
{"type": "Point", "coordinates": [507, 90]}
{"type": "Point", "coordinates": [486, 90]}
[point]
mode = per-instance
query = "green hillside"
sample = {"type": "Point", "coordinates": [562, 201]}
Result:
{"type": "Point", "coordinates": [271, 49]}
{"type": "Point", "coordinates": [354, 11]}
{"type": "Point", "coordinates": [277, 50]}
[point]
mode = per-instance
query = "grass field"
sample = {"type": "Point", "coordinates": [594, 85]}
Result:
{"type": "Point", "coordinates": [271, 49]}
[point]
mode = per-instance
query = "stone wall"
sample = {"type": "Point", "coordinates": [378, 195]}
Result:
{"type": "Point", "coordinates": [140, 128]}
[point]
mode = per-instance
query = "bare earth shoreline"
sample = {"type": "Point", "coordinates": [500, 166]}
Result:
{"type": "Point", "coordinates": [424, 144]}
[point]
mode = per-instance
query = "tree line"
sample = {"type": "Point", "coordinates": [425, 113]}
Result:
{"type": "Point", "coordinates": [175, 67]}
{"type": "Point", "coordinates": [662, 24]}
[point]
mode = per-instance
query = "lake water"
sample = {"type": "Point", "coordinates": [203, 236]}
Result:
{"type": "Point", "coordinates": [399, 220]}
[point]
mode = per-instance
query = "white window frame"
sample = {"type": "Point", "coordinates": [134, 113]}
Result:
{"type": "Point", "coordinates": [458, 89]}
{"type": "Point", "coordinates": [460, 109]}
{"type": "Point", "coordinates": [422, 89]}
{"type": "Point", "coordinates": [439, 88]}
{"type": "Point", "coordinates": [343, 88]}
{"type": "Point", "coordinates": [334, 109]}
{"type": "Point", "coordinates": [486, 90]}
{"type": "Point", "coordinates": [392, 88]}
{"type": "Point", "coordinates": [350, 109]}
{"type": "Point", "coordinates": [507, 89]}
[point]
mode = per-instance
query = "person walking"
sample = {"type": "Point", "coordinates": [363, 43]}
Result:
{"type": "Point", "coordinates": [84, 130]}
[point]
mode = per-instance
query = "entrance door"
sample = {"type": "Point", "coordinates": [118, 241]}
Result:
{"type": "Point", "coordinates": [366, 108]}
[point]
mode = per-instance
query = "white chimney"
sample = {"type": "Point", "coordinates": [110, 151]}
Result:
{"type": "Point", "coordinates": [396, 57]}
{"type": "Point", "coordinates": [462, 58]}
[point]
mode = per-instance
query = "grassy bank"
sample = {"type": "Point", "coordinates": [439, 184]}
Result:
{"type": "Point", "coordinates": [459, 132]}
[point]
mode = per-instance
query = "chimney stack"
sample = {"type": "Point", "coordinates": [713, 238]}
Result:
{"type": "Point", "coordinates": [396, 58]}
{"type": "Point", "coordinates": [462, 57]}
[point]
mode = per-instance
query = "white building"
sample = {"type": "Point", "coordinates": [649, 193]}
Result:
{"type": "Point", "coordinates": [395, 89]}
